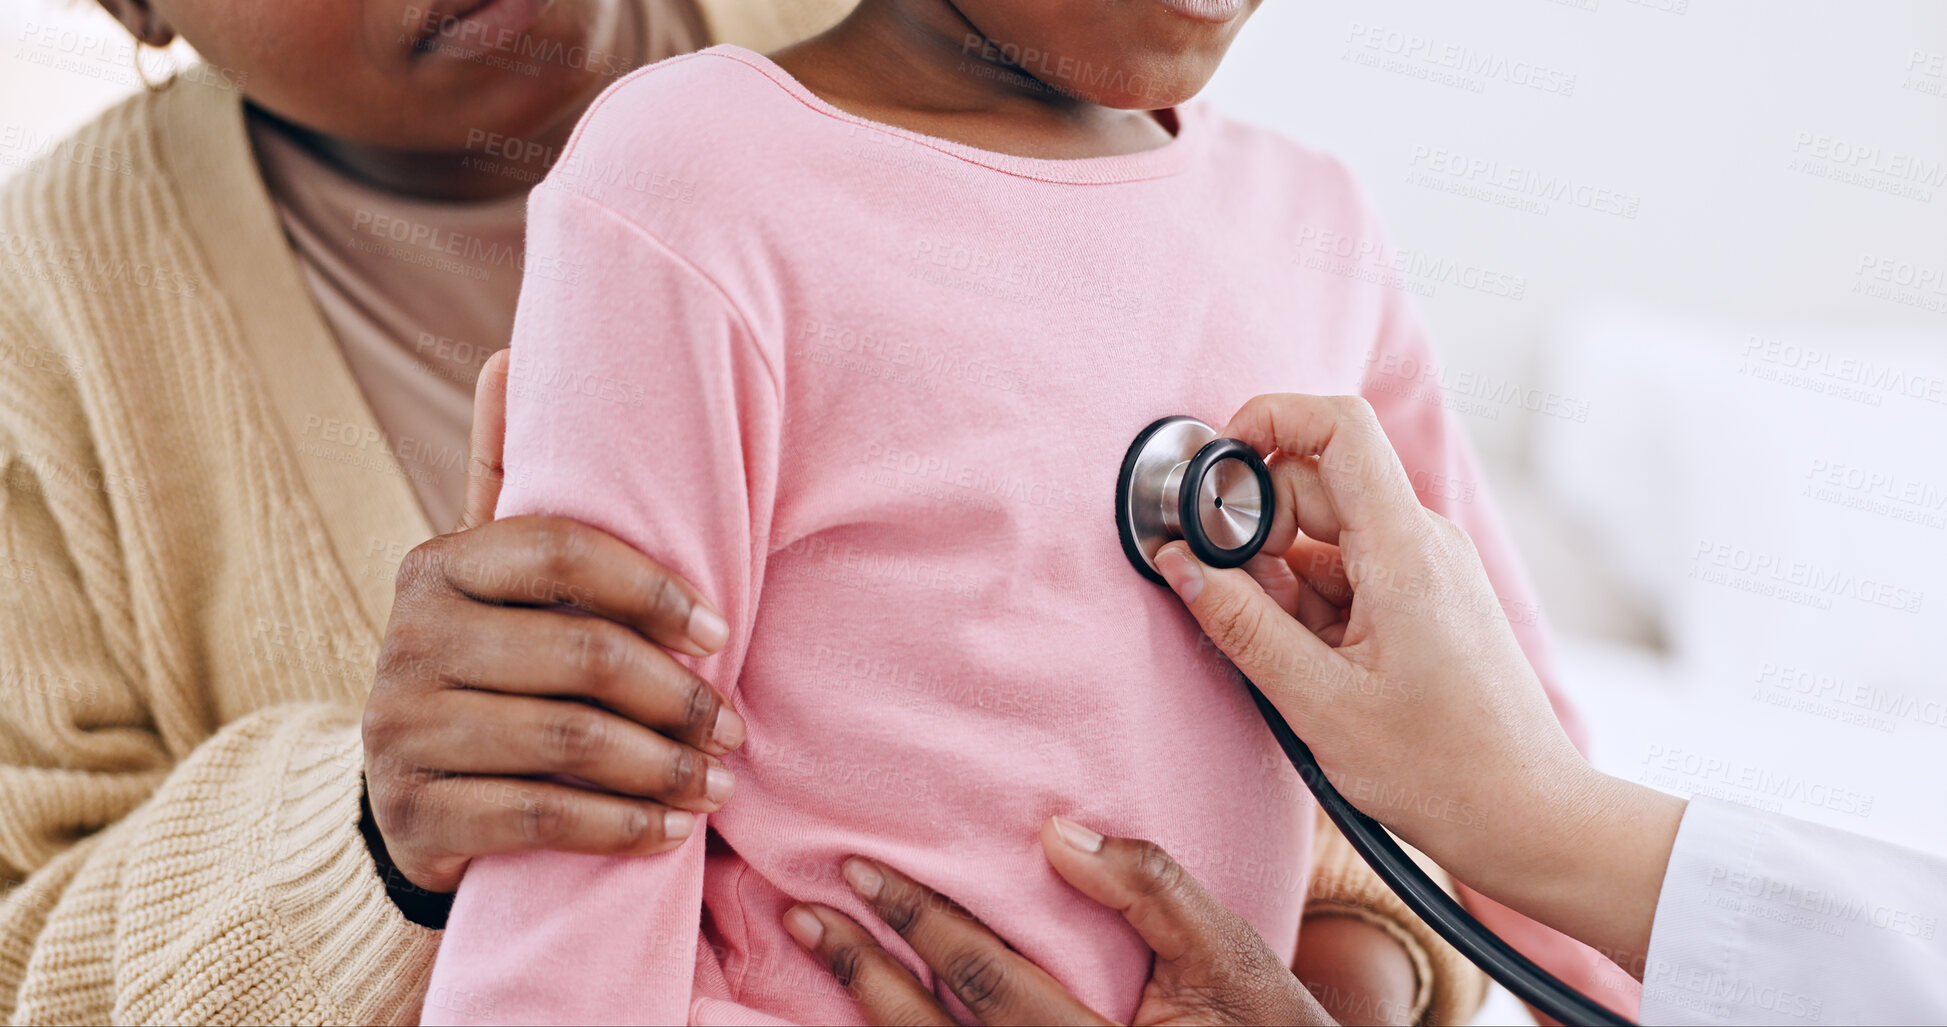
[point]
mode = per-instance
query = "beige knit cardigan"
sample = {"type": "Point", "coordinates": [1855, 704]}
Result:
{"type": "Point", "coordinates": [199, 528]}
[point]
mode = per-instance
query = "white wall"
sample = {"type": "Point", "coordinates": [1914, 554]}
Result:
{"type": "Point", "coordinates": [61, 62]}
{"type": "Point", "coordinates": [1720, 123]}
{"type": "Point", "coordinates": [1710, 116]}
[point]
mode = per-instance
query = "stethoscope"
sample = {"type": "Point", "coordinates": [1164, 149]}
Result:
{"type": "Point", "coordinates": [1181, 481]}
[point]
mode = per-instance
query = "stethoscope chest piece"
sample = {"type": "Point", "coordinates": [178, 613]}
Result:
{"type": "Point", "coordinates": [1180, 481]}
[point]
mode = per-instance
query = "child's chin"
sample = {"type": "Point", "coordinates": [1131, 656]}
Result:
{"type": "Point", "coordinates": [1151, 95]}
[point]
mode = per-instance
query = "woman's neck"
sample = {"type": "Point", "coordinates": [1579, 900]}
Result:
{"type": "Point", "coordinates": [920, 65]}
{"type": "Point", "coordinates": [464, 175]}
{"type": "Point", "coordinates": [455, 177]}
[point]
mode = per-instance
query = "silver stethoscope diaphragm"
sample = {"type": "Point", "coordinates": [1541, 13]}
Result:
{"type": "Point", "coordinates": [1180, 481]}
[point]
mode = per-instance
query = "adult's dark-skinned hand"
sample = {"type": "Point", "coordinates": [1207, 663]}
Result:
{"type": "Point", "coordinates": [528, 650]}
{"type": "Point", "coordinates": [1210, 966]}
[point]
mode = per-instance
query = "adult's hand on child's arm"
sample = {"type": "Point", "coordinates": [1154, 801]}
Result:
{"type": "Point", "coordinates": [1396, 661]}
{"type": "Point", "coordinates": [523, 649]}
{"type": "Point", "coordinates": [1210, 966]}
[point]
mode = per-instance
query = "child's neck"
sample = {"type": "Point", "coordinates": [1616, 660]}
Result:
{"type": "Point", "coordinates": [920, 65]}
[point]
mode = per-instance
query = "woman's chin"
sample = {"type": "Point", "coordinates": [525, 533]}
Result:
{"type": "Point", "coordinates": [516, 83]}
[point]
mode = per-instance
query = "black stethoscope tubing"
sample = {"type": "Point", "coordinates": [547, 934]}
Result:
{"type": "Point", "coordinates": [1448, 918]}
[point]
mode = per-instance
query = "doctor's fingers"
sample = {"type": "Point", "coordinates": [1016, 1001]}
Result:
{"type": "Point", "coordinates": [1303, 504]}
{"type": "Point", "coordinates": [1295, 595]}
{"type": "Point", "coordinates": [563, 655]}
{"type": "Point", "coordinates": [544, 561]}
{"type": "Point", "coordinates": [1282, 655]}
{"type": "Point", "coordinates": [1360, 478]}
{"type": "Point", "coordinates": [1321, 566]}
{"type": "Point", "coordinates": [1277, 580]}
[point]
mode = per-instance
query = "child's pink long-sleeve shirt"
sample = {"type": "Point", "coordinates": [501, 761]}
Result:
{"type": "Point", "coordinates": [870, 392]}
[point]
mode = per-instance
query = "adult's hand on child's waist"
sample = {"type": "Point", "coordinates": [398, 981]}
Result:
{"type": "Point", "coordinates": [529, 649]}
{"type": "Point", "coordinates": [1211, 967]}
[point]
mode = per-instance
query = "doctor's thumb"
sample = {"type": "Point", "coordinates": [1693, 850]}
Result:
{"type": "Point", "coordinates": [1243, 621]}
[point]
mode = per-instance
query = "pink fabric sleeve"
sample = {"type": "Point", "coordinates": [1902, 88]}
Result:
{"type": "Point", "coordinates": [638, 403]}
{"type": "Point", "coordinates": [1446, 474]}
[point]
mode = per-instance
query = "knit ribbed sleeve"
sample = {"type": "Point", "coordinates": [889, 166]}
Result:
{"type": "Point", "coordinates": [1450, 988]}
{"type": "Point", "coordinates": [233, 887]}
{"type": "Point", "coordinates": [241, 893]}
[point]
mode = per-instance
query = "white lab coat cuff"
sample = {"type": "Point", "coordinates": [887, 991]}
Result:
{"type": "Point", "coordinates": [1767, 920]}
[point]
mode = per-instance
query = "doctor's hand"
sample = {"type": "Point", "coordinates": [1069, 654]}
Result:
{"type": "Point", "coordinates": [527, 648]}
{"type": "Point", "coordinates": [1210, 967]}
{"type": "Point", "coordinates": [1383, 644]}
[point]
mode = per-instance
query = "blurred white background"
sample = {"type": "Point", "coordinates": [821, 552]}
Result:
{"type": "Point", "coordinates": [1686, 261]}
{"type": "Point", "coordinates": [1717, 410]}
{"type": "Point", "coordinates": [1718, 426]}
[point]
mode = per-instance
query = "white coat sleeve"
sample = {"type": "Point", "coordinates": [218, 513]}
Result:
{"type": "Point", "coordinates": [1768, 920]}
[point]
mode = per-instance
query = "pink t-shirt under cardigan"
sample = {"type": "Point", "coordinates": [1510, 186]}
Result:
{"type": "Point", "coordinates": [870, 391]}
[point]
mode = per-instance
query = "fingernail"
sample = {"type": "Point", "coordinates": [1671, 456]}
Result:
{"type": "Point", "coordinates": [864, 879]}
{"type": "Point", "coordinates": [1184, 574]}
{"type": "Point", "coordinates": [718, 784]}
{"type": "Point", "coordinates": [1078, 837]}
{"type": "Point", "coordinates": [729, 730]}
{"type": "Point", "coordinates": [707, 628]}
{"type": "Point", "coordinates": [677, 824]}
{"type": "Point", "coordinates": [803, 926]}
